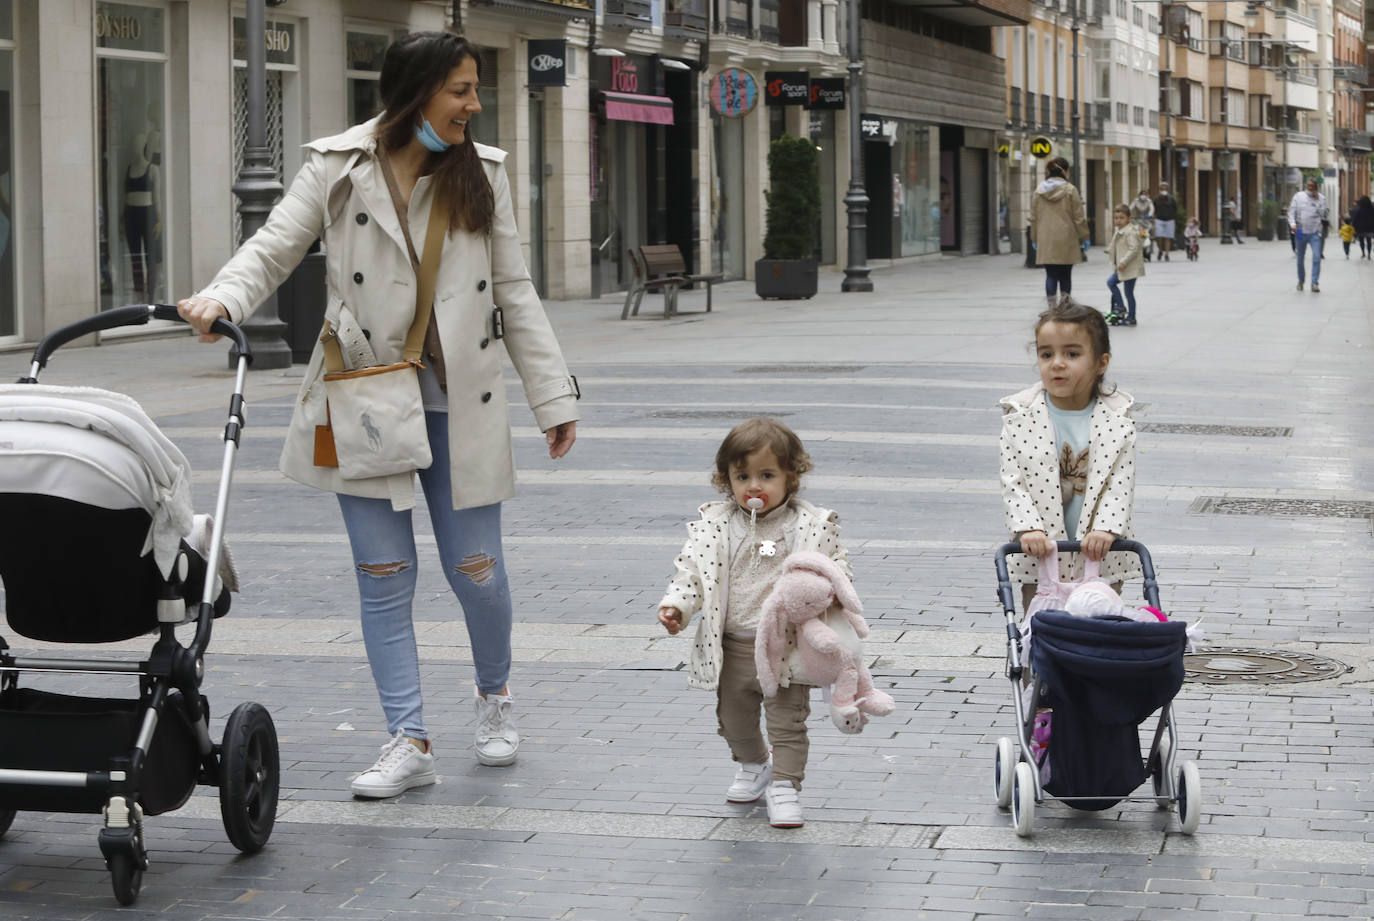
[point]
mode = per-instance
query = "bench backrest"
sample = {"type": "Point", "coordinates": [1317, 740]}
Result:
{"type": "Point", "coordinates": [663, 259]}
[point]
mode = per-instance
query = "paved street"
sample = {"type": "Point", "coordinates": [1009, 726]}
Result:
{"type": "Point", "coordinates": [1255, 491]}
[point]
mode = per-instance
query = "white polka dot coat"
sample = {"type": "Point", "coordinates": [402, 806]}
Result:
{"type": "Point", "coordinates": [1031, 496]}
{"type": "Point", "coordinates": [701, 581]}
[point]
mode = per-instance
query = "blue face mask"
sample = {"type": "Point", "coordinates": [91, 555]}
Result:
{"type": "Point", "coordinates": [425, 132]}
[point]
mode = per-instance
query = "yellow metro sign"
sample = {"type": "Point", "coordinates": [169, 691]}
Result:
{"type": "Point", "coordinates": [1041, 148]}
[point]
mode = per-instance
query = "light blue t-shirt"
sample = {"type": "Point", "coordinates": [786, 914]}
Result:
{"type": "Point", "coordinates": [1072, 435]}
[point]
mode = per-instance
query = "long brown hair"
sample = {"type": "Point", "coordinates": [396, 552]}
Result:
{"type": "Point", "coordinates": [416, 66]}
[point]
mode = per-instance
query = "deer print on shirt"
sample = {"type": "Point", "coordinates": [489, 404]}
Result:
{"type": "Point", "coordinates": [1073, 472]}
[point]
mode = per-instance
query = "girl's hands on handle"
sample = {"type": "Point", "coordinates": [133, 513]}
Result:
{"type": "Point", "coordinates": [1097, 543]}
{"type": "Point", "coordinates": [201, 313]}
{"type": "Point", "coordinates": [1037, 544]}
{"type": "Point", "coordinates": [560, 439]}
{"type": "Point", "coordinates": [671, 619]}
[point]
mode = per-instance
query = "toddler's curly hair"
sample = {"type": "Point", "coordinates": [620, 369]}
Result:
{"type": "Point", "coordinates": [753, 434]}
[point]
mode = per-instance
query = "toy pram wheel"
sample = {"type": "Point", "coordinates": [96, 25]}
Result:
{"type": "Point", "coordinates": [1189, 798]}
{"type": "Point", "coordinates": [1162, 798]}
{"type": "Point", "coordinates": [6, 818]}
{"type": "Point", "coordinates": [1023, 799]}
{"type": "Point", "coordinates": [249, 777]}
{"type": "Point", "coordinates": [1003, 770]}
{"type": "Point", "coordinates": [126, 876]}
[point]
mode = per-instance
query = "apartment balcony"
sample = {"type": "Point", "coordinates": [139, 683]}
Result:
{"type": "Point", "coordinates": [1355, 73]}
{"type": "Point", "coordinates": [1188, 64]}
{"type": "Point", "coordinates": [1351, 140]}
{"type": "Point", "coordinates": [975, 12]}
{"type": "Point", "coordinates": [1222, 71]}
{"type": "Point", "coordinates": [685, 19]}
{"type": "Point", "coordinates": [1263, 83]}
{"type": "Point", "coordinates": [1294, 149]}
{"type": "Point", "coordinates": [1297, 90]}
{"type": "Point", "coordinates": [1292, 26]}
{"type": "Point", "coordinates": [556, 9]}
{"type": "Point", "coordinates": [628, 14]}
{"type": "Point", "coordinates": [1189, 133]}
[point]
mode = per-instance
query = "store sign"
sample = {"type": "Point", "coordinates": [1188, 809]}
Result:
{"type": "Point", "coordinates": [826, 93]}
{"type": "Point", "coordinates": [548, 62]}
{"type": "Point", "coordinates": [786, 88]}
{"type": "Point", "coordinates": [1004, 150]}
{"type": "Point", "coordinates": [624, 75]}
{"type": "Point", "coordinates": [877, 128]}
{"type": "Point", "coordinates": [279, 38]}
{"type": "Point", "coordinates": [734, 93]}
{"type": "Point", "coordinates": [1041, 148]}
{"type": "Point", "coordinates": [128, 27]}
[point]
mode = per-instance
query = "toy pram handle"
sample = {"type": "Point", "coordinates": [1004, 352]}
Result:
{"type": "Point", "coordinates": [1004, 586]}
{"type": "Point", "coordinates": [132, 315]}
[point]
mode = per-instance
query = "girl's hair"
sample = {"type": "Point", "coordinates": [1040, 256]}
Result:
{"type": "Point", "coordinates": [753, 434]}
{"type": "Point", "coordinates": [1122, 209]}
{"type": "Point", "coordinates": [1058, 167]}
{"type": "Point", "coordinates": [1068, 310]}
{"type": "Point", "coordinates": [417, 66]}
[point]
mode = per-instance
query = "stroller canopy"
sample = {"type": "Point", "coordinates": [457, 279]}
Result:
{"type": "Point", "coordinates": [99, 448]}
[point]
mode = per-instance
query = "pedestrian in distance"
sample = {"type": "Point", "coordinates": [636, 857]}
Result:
{"type": "Point", "coordinates": [1192, 236]}
{"type": "Point", "coordinates": [1125, 254]}
{"type": "Point", "coordinates": [1059, 227]}
{"type": "Point", "coordinates": [1347, 233]}
{"type": "Point", "coordinates": [1068, 452]}
{"type": "Point", "coordinates": [368, 193]}
{"type": "Point", "coordinates": [1362, 216]}
{"type": "Point", "coordinates": [1166, 212]}
{"type": "Point", "coordinates": [1307, 212]}
{"type": "Point", "coordinates": [1233, 218]}
{"type": "Point", "coordinates": [733, 555]}
{"type": "Point", "coordinates": [1142, 215]}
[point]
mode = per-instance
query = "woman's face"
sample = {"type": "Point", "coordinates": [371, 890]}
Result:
{"type": "Point", "coordinates": [449, 109]}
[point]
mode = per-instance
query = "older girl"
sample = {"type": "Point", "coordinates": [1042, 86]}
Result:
{"type": "Point", "coordinates": [1128, 262]}
{"type": "Point", "coordinates": [368, 192]}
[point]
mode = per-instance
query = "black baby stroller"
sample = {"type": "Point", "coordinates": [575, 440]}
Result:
{"type": "Point", "coordinates": [100, 546]}
{"type": "Point", "coordinates": [1101, 678]}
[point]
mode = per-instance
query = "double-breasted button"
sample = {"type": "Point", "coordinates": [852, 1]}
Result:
{"type": "Point", "coordinates": [482, 285]}
{"type": "Point", "coordinates": [486, 397]}
{"type": "Point", "coordinates": [358, 277]}
{"type": "Point", "coordinates": [484, 343]}
{"type": "Point", "coordinates": [361, 217]}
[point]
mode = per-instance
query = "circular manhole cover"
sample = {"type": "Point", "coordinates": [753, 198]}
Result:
{"type": "Point", "coordinates": [1232, 665]}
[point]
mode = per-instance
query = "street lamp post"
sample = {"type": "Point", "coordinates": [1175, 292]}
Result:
{"type": "Point", "coordinates": [1074, 116]}
{"type": "Point", "coordinates": [856, 200]}
{"type": "Point", "coordinates": [258, 189]}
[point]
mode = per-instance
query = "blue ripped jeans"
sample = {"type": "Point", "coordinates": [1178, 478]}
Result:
{"type": "Point", "coordinates": [384, 557]}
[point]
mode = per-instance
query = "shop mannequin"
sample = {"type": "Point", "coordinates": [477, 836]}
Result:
{"type": "Point", "coordinates": [142, 223]}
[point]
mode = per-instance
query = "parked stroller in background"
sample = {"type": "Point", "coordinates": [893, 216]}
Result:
{"type": "Point", "coordinates": [1101, 678]}
{"type": "Point", "coordinates": [100, 546]}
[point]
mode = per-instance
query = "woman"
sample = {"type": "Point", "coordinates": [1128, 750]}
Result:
{"type": "Point", "coordinates": [1058, 227]}
{"type": "Point", "coordinates": [1362, 216]}
{"type": "Point", "coordinates": [352, 190]}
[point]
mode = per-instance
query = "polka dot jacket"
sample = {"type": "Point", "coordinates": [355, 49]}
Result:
{"type": "Point", "coordinates": [1031, 494]}
{"type": "Point", "coordinates": [702, 579]}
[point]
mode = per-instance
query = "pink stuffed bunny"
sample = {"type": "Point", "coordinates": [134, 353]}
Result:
{"type": "Point", "coordinates": [811, 584]}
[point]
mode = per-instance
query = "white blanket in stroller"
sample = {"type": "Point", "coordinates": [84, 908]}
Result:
{"type": "Point", "coordinates": [97, 447]}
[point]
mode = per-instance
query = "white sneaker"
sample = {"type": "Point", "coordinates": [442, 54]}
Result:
{"type": "Point", "coordinates": [400, 767]}
{"type": "Point", "coordinates": [497, 741]}
{"type": "Point", "coordinates": [750, 782]}
{"type": "Point", "coordinates": [784, 805]}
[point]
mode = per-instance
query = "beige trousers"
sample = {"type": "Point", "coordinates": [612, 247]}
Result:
{"type": "Point", "coordinates": [737, 711]}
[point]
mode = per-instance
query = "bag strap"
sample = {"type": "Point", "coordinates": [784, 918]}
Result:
{"type": "Point", "coordinates": [426, 272]}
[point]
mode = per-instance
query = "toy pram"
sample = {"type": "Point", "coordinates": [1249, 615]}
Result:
{"type": "Point", "coordinates": [100, 546]}
{"type": "Point", "coordinates": [1102, 679]}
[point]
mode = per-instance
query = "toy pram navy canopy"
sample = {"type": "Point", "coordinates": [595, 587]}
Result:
{"type": "Point", "coordinates": [1105, 676]}
{"type": "Point", "coordinates": [97, 509]}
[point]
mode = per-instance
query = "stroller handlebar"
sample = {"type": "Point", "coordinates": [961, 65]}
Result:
{"type": "Point", "coordinates": [131, 315]}
{"type": "Point", "coordinates": [1147, 568]}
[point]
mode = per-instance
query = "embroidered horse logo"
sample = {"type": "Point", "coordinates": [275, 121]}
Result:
{"type": "Point", "coordinates": [374, 434]}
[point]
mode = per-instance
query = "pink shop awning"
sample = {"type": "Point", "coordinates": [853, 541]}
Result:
{"type": "Point", "coordinates": [634, 107]}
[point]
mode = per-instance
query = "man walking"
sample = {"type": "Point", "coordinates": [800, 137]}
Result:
{"type": "Point", "coordinates": [1233, 218]}
{"type": "Point", "coordinates": [1306, 214]}
{"type": "Point", "coordinates": [1166, 212]}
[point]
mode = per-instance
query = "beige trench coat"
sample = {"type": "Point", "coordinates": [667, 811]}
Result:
{"type": "Point", "coordinates": [1057, 224]}
{"type": "Point", "coordinates": [1127, 251]}
{"type": "Point", "coordinates": [369, 269]}
{"type": "Point", "coordinates": [1031, 496]}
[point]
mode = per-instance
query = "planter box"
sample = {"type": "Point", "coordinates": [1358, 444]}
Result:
{"type": "Point", "coordinates": [786, 279]}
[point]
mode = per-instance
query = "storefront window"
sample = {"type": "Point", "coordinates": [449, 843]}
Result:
{"type": "Point", "coordinates": [823, 136]}
{"type": "Point", "coordinates": [365, 51]}
{"type": "Point", "coordinates": [919, 182]}
{"type": "Point", "coordinates": [131, 109]}
{"type": "Point", "coordinates": [727, 197]}
{"type": "Point", "coordinates": [9, 314]}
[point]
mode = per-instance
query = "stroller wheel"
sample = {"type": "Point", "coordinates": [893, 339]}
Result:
{"type": "Point", "coordinates": [6, 817]}
{"type": "Point", "coordinates": [1189, 798]}
{"type": "Point", "coordinates": [1023, 799]}
{"type": "Point", "coordinates": [126, 876]}
{"type": "Point", "coordinates": [1003, 770]}
{"type": "Point", "coordinates": [250, 777]}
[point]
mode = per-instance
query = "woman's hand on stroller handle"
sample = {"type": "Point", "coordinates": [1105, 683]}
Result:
{"type": "Point", "coordinates": [201, 313]}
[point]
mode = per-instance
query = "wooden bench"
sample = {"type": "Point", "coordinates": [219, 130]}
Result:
{"type": "Point", "coordinates": [662, 268]}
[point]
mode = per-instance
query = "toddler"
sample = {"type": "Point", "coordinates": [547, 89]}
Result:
{"type": "Point", "coordinates": [1347, 234]}
{"type": "Point", "coordinates": [1192, 233]}
{"type": "Point", "coordinates": [733, 555]}
{"type": "Point", "coordinates": [1068, 452]}
{"type": "Point", "coordinates": [1127, 256]}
